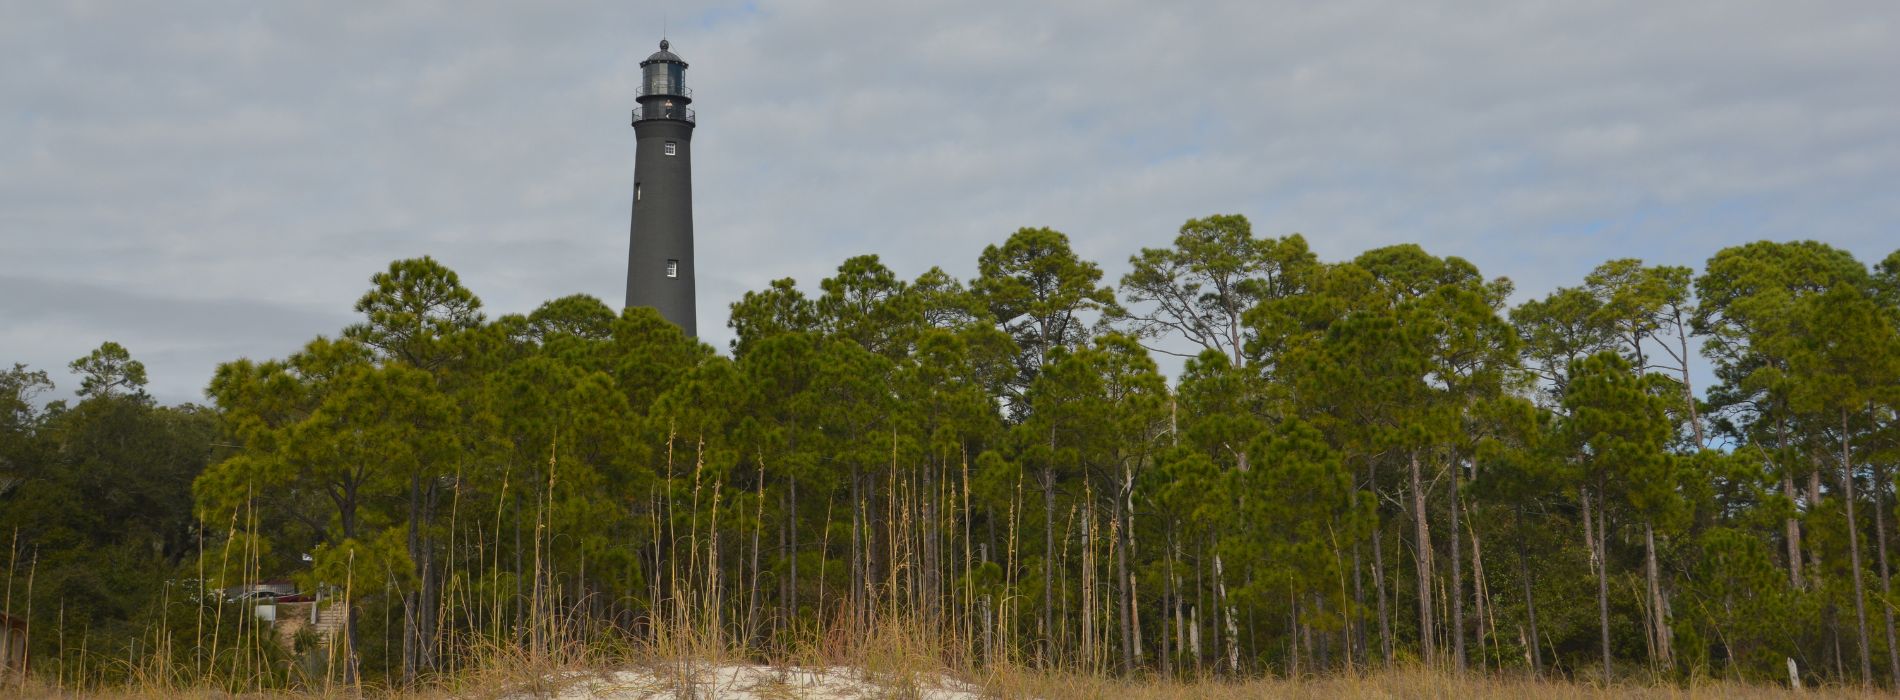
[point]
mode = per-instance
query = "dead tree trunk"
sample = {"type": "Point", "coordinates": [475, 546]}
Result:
{"type": "Point", "coordinates": [1659, 613]}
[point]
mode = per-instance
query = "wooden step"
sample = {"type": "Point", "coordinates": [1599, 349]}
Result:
{"type": "Point", "coordinates": [330, 622]}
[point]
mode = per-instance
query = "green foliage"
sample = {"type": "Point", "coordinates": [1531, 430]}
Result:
{"type": "Point", "coordinates": [1041, 294]}
{"type": "Point", "coordinates": [1203, 286]}
{"type": "Point", "coordinates": [1297, 511]}
{"type": "Point", "coordinates": [95, 504]}
{"type": "Point", "coordinates": [1619, 425]}
{"type": "Point", "coordinates": [1366, 462]}
{"type": "Point", "coordinates": [415, 310]}
{"type": "Point", "coordinates": [108, 371]}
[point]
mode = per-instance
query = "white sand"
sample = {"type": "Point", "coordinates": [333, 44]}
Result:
{"type": "Point", "coordinates": [757, 682]}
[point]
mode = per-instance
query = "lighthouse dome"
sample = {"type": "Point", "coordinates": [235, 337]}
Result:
{"type": "Point", "coordinates": [664, 55]}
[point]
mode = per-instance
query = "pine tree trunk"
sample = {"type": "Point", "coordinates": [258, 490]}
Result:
{"type": "Point", "coordinates": [934, 538]}
{"type": "Point", "coordinates": [428, 629]}
{"type": "Point", "coordinates": [351, 674]}
{"type": "Point", "coordinates": [1128, 572]}
{"type": "Point", "coordinates": [1168, 604]}
{"type": "Point", "coordinates": [1125, 600]}
{"type": "Point", "coordinates": [1814, 501]}
{"type": "Point", "coordinates": [1421, 529]}
{"type": "Point", "coordinates": [758, 531]}
{"type": "Point", "coordinates": [1658, 615]}
{"type": "Point", "coordinates": [1530, 599]}
{"type": "Point", "coordinates": [1181, 630]}
{"type": "Point", "coordinates": [411, 602]}
{"type": "Point", "coordinates": [963, 485]}
{"type": "Point", "coordinates": [1793, 534]}
{"type": "Point", "coordinates": [1840, 671]}
{"type": "Point", "coordinates": [1481, 595]}
{"type": "Point", "coordinates": [791, 506]}
{"type": "Point", "coordinates": [858, 547]}
{"type": "Point", "coordinates": [1087, 577]}
{"type": "Point", "coordinates": [1378, 585]}
{"type": "Point", "coordinates": [419, 616]}
{"type": "Point", "coordinates": [1200, 604]}
{"type": "Point", "coordinates": [1793, 523]}
{"type": "Point", "coordinates": [1688, 392]}
{"type": "Point", "coordinates": [1599, 550]}
{"type": "Point", "coordinates": [1232, 640]}
{"type": "Point", "coordinates": [1378, 568]}
{"type": "Point", "coordinates": [1886, 580]}
{"type": "Point", "coordinates": [1046, 625]}
{"type": "Point", "coordinates": [783, 610]}
{"type": "Point", "coordinates": [1658, 612]}
{"type": "Point", "coordinates": [1457, 577]}
{"type": "Point", "coordinates": [1356, 625]}
{"type": "Point", "coordinates": [1194, 636]}
{"type": "Point", "coordinates": [1853, 545]}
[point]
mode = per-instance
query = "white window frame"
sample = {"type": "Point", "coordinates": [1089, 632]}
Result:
{"type": "Point", "coordinates": [673, 268]}
{"type": "Point", "coordinates": [672, 148]}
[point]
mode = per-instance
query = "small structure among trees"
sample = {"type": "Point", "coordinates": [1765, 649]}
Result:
{"type": "Point", "coordinates": [13, 646]}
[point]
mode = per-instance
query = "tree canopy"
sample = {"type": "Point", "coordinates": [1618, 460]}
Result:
{"type": "Point", "coordinates": [1360, 463]}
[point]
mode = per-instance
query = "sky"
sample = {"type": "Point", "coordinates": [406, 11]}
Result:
{"type": "Point", "coordinates": [205, 181]}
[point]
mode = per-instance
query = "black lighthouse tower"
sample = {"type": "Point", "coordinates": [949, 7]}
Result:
{"type": "Point", "coordinates": [660, 257]}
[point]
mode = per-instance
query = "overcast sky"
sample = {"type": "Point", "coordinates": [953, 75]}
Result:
{"type": "Point", "coordinates": [206, 181]}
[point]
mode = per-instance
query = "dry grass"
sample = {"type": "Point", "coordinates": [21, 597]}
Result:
{"type": "Point", "coordinates": [895, 658]}
{"type": "Point", "coordinates": [1399, 683]}
{"type": "Point", "coordinates": [546, 681]}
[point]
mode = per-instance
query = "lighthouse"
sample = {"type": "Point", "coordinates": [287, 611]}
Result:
{"type": "Point", "coordinates": [660, 250]}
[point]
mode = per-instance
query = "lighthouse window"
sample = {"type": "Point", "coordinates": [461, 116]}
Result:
{"type": "Point", "coordinates": [672, 148]}
{"type": "Point", "coordinates": [636, 191]}
{"type": "Point", "coordinates": [672, 268]}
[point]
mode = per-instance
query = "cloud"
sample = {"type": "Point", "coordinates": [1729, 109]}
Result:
{"type": "Point", "coordinates": [272, 157]}
{"type": "Point", "coordinates": [57, 321]}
